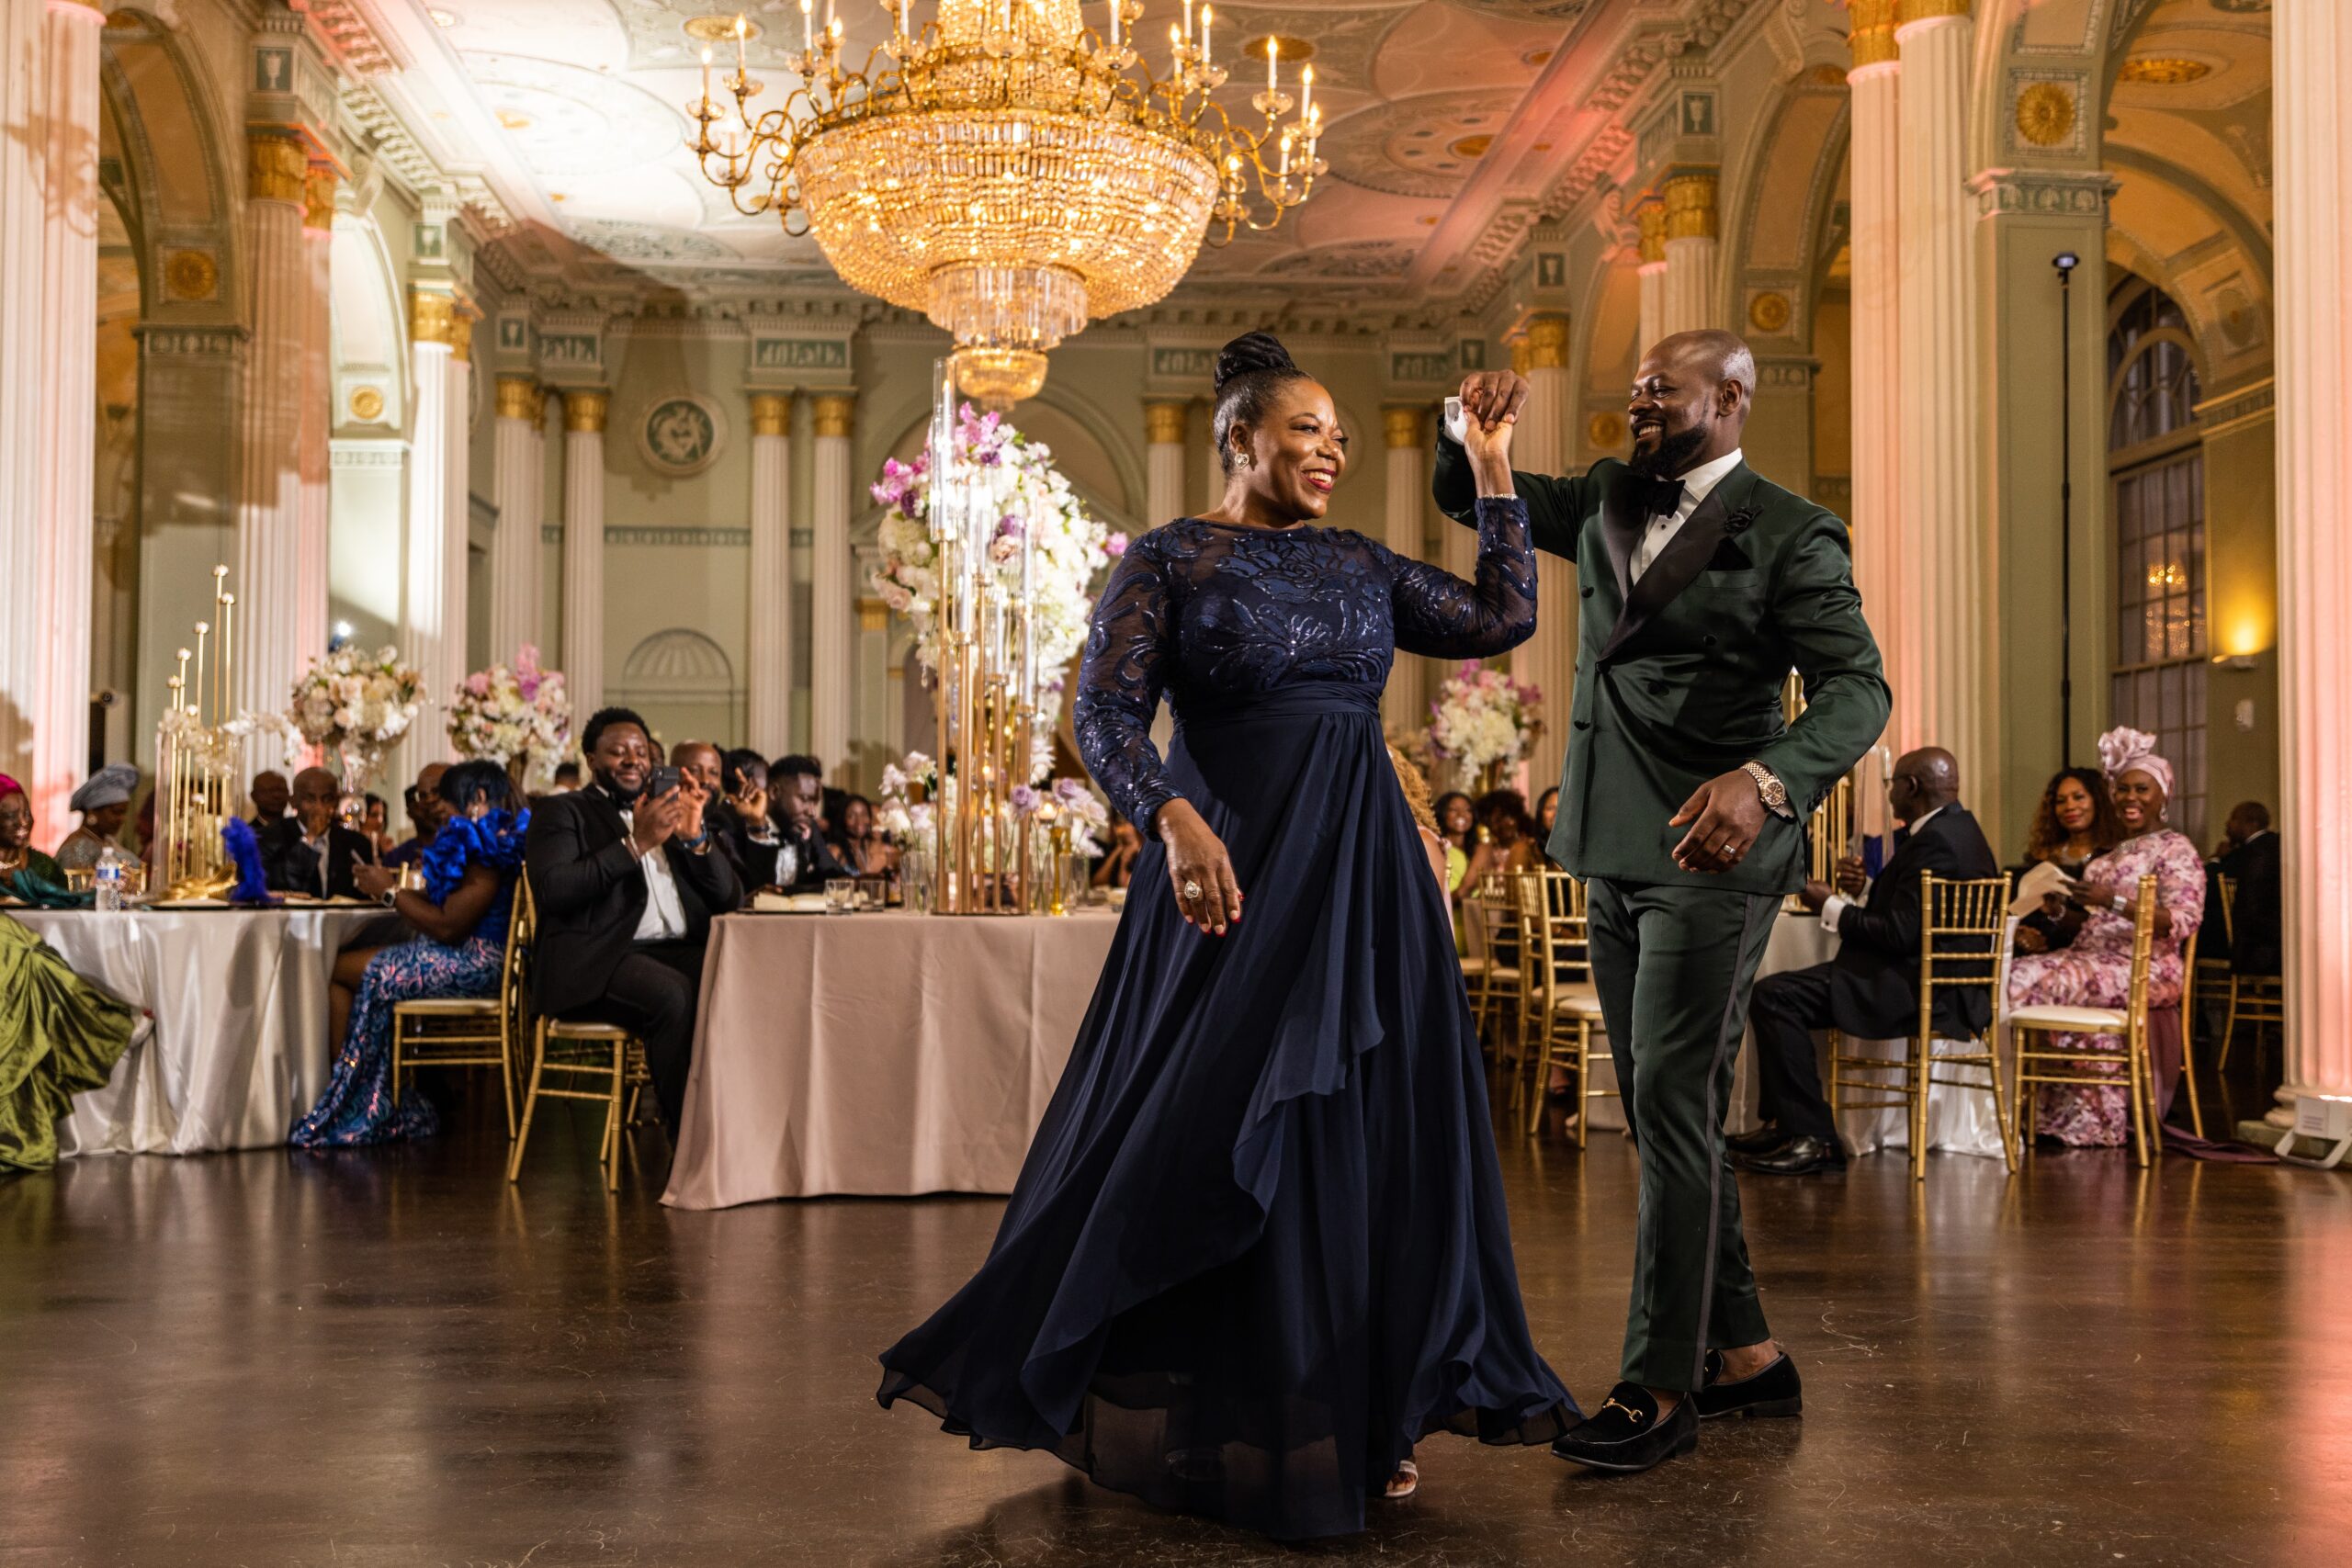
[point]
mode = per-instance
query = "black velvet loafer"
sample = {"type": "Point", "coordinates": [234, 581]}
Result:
{"type": "Point", "coordinates": [1626, 1433]}
{"type": "Point", "coordinates": [1775, 1391]}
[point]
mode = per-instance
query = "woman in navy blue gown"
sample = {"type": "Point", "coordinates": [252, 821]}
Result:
{"type": "Point", "coordinates": [1258, 1249]}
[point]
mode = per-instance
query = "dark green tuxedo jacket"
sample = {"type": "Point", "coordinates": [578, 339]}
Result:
{"type": "Point", "coordinates": [1679, 675]}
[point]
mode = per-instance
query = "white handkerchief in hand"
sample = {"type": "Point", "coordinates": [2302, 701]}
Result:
{"type": "Point", "coordinates": [1457, 424]}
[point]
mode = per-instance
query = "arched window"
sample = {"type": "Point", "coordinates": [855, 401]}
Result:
{"type": "Point", "coordinates": [2156, 467]}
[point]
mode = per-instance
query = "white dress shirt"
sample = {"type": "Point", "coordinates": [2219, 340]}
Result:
{"type": "Point", "coordinates": [665, 912]}
{"type": "Point", "coordinates": [1696, 486]}
{"type": "Point", "coordinates": [1834, 905]}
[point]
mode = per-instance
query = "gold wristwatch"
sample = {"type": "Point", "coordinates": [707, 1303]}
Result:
{"type": "Point", "coordinates": [1774, 794]}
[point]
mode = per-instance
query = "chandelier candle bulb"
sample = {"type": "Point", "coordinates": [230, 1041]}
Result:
{"type": "Point", "coordinates": [1208, 14]}
{"type": "Point", "coordinates": [1307, 94]}
{"type": "Point", "coordinates": [808, 29]}
{"type": "Point", "coordinates": [1116, 7]}
{"type": "Point", "coordinates": [1188, 21]}
{"type": "Point", "coordinates": [1273, 56]}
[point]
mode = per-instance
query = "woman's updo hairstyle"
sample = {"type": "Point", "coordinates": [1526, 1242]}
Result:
{"type": "Point", "coordinates": [1250, 370]}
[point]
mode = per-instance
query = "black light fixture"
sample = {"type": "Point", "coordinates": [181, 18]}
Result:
{"type": "Point", "coordinates": [2065, 262]}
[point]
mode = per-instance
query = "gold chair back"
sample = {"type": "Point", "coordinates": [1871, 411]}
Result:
{"type": "Point", "coordinates": [2077, 1068]}
{"type": "Point", "coordinates": [2257, 1000]}
{"type": "Point", "coordinates": [1563, 1008]}
{"type": "Point", "coordinates": [570, 1060]}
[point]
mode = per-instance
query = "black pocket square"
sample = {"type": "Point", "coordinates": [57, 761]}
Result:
{"type": "Point", "coordinates": [1729, 556]}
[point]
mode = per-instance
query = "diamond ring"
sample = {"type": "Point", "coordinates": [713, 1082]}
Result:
{"type": "Point", "coordinates": [1192, 892]}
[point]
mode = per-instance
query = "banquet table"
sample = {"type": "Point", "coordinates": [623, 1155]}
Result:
{"type": "Point", "coordinates": [877, 1054]}
{"type": "Point", "coordinates": [239, 1047]}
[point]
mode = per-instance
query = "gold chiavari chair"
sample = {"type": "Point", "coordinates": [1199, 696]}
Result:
{"type": "Point", "coordinates": [2128, 1025]}
{"type": "Point", "coordinates": [2188, 962]}
{"type": "Point", "coordinates": [2257, 1000]}
{"type": "Point", "coordinates": [1490, 921]}
{"type": "Point", "coordinates": [468, 1031]}
{"type": "Point", "coordinates": [587, 1061]}
{"type": "Point", "coordinates": [1563, 1000]}
{"type": "Point", "coordinates": [1964, 934]}
{"type": "Point", "coordinates": [2210, 975]}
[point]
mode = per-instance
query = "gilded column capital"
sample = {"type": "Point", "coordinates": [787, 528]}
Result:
{"type": "Point", "coordinates": [583, 411]}
{"type": "Point", "coordinates": [1690, 205]}
{"type": "Point", "coordinates": [1871, 35]}
{"type": "Point", "coordinates": [276, 164]}
{"type": "Point", "coordinates": [1164, 424]}
{"type": "Point", "coordinates": [1401, 422]}
{"type": "Point", "coordinates": [833, 413]}
{"type": "Point", "coordinates": [462, 334]}
{"type": "Point", "coordinates": [1651, 216]}
{"type": "Point", "coordinates": [1547, 341]}
{"type": "Point", "coordinates": [319, 182]}
{"type": "Point", "coordinates": [771, 413]}
{"type": "Point", "coordinates": [518, 398]}
{"type": "Point", "coordinates": [1909, 11]}
{"type": "Point", "coordinates": [1522, 355]}
{"type": "Point", "coordinates": [431, 313]}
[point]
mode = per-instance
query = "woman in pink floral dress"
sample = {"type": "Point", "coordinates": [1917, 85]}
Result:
{"type": "Point", "coordinates": [2094, 969]}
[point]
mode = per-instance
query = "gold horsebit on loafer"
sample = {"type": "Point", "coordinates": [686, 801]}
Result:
{"type": "Point", "coordinates": [1639, 1415]}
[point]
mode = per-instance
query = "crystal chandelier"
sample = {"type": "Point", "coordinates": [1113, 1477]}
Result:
{"type": "Point", "coordinates": [1009, 171]}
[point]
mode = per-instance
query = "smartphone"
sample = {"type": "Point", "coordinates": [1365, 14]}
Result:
{"type": "Point", "coordinates": [662, 781]}
{"type": "Point", "coordinates": [1457, 424]}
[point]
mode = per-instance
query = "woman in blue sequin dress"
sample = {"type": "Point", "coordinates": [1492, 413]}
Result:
{"type": "Point", "coordinates": [469, 872]}
{"type": "Point", "coordinates": [1258, 1249]}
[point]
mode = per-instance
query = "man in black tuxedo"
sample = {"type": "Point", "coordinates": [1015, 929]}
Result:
{"type": "Point", "coordinates": [311, 851]}
{"type": "Point", "coordinates": [625, 884]}
{"type": "Point", "coordinates": [796, 806]}
{"type": "Point", "coordinates": [1871, 991]}
{"type": "Point", "coordinates": [2250, 859]}
{"type": "Point", "coordinates": [741, 821]}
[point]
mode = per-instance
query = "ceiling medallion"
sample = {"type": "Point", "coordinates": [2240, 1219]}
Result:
{"type": "Point", "coordinates": [2045, 113]}
{"type": "Point", "coordinates": [1769, 312]}
{"type": "Point", "coordinates": [720, 29]}
{"type": "Point", "coordinates": [1009, 171]}
{"type": "Point", "coordinates": [2160, 71]}
{"type": "Point", "coordinates": [1472, 146]}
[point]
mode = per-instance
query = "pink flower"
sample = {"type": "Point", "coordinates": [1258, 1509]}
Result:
{"type": "Point", "coordinates": [1115, 546]}
{"type": "Point", "coordinates": [478, 684]}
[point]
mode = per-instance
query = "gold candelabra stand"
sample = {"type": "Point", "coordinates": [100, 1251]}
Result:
{"type": "Point", "coordinates": [196, 758]}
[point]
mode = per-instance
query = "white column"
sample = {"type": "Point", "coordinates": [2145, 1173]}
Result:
{"type": "Point", "coordinates": [1652, 218]}
{"type": "Point", "coordinates": [832, 595]}
{"type": "Point", "coordinates": [425, 625]}
{"type": "Point", "coordinates": [266, 578]}
{"type": "Point", "coordinates": [1939, 657]}
{"type": "Point", "coordinates": [2312, 143]}
{"type": "Point", "coordinates": [1541, 445]}
{"type": "Point", "coordinates": [583, 549]}
{"type": "Point", "coordinates": [1404, 706]}
{"type": "Point", "coordinates": [315, 474]}
{"type": "Point", "coordinates": [770, 676]}
{"type": "Point", "coordinates": [515, 481]}
{"type": "Point", "coordinates": [1689, 302]}
{"type": "Point", "coordinates": [67, 288]}
{"type": "Point", "coordinates": [1878, 390]}
{"type": "Point", "coordinates": [23, 623]}
{"type": "Point", "coordinates": [1164, 427]}
{"type": "Point", "coordinates": [456, 660]}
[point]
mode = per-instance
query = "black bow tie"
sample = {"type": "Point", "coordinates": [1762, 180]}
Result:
{"type": "Point", "coordinates": [1656, 498]}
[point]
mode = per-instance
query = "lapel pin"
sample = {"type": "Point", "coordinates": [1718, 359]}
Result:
{"type": "Point", "coordinates": [1738, 522]}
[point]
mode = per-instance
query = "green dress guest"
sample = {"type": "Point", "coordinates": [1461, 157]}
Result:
{"type": "Point", "coordinates": [1701, 584]}
{"type": "Point", "coordinates": [60, 1034]}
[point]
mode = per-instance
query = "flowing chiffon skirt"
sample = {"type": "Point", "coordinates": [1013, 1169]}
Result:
{"type": "Point", "coordinates": [1258, 1247]}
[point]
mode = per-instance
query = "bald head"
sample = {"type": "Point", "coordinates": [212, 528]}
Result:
{"type": "Point", "coordinates": [317, 793]}
{"type": "Point", "coordinates": [1691, 401]}
{"type": "Point", "coordinates": [699, 760]}
{"type": "Point", "coordinates": [1925, 779]}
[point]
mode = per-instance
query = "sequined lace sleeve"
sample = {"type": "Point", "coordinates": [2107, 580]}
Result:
{"type": "Point", "coordinates": [1120, 681]}
{"type": "Point", "coordinates": [1439, 614]}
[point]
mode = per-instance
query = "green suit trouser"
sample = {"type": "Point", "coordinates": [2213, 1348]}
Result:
{"type": "Point", "coordinates": [1673, 965]}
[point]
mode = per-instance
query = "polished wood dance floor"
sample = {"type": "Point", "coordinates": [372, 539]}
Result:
{"type": "Point", "coordinates": [390, 1357]}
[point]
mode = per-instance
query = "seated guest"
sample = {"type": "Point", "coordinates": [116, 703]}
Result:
{"type": "Point", "coordinates": [271, 794]}
{"type": "Point", "coordinates": [16, 851]}
{"type": "Point", "coordinates": [422, 801]}
{"type": "Point", "coordinates": [311, 851]}
{"type": "Point", "coordinates": [377, 825]}
{"type": "Point", "coordinates": [2095, 969]}
{"type": "Point", "coordinates": [469, 871]}
{"type": "Point", "coordinates": [1118, 867]}
{"type": "Point", "coordinates": [1871, 991]}
{"type": "Point", "coordinates": [105, 806]}
{"type": "Point", "coordinates": [741, 817]}
{"type": "Point", "coordinates": [1547, 812]}
{"type": "Point", "coordinates": [2250, 858]}
{"type": "Point", "coordinates": [60, 1036]}
{"type": "Point", "coordinates": [700, 761]}
{"type": "Point", "coordinates": [860, 848]}
{"type": "Point", "coordinates": [1416, 801]}
{"type": "Point", "coordinates": [567, 777]}
{"type": "Point", "coordinates": [625, 886]}
{"type": "Point", "coordinates": [797, 805]}
{"type": "Point", "coordinates": [1507, 838]}
{"type": "Point", "coordinates": [1457, 825]}
{"type": "Point", "coordinates": [2074, 825]}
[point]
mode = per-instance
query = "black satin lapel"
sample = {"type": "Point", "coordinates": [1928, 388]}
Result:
{"type": "Point", "coordinates": [1620, 532]}
{"type": "Point", "coordinates": [1685, 557]}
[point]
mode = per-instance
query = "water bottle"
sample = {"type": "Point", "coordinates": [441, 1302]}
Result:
{"type": "Point", "coordinates": [107, 882]}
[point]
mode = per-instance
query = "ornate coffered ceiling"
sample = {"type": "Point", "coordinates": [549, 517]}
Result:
{"type": "Point", "coordinates": [1453, 124]}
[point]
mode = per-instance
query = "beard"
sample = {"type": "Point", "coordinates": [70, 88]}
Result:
{"type": "Point", "coordinates": [1671, 455]}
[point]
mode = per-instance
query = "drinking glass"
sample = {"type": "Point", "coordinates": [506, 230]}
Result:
{"type": "Point", "coordinates": [841, 895]}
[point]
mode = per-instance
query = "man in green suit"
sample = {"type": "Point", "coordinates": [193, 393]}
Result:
{"type": "Point", "coordinates": [1701, 584]}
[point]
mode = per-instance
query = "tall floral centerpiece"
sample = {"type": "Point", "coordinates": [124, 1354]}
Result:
{"type": "Point", "coordinates": [1483, 722]}
{"type": "Point", "coordinates": [357, 704]}
{"type": "Point", "coordinates": [517, 716]}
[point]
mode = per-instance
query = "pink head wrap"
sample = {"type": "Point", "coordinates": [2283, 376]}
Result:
{"type": "Point", "coordinates": [2121, 749]}
{"type": "Point", "coordinates": [9, 786]}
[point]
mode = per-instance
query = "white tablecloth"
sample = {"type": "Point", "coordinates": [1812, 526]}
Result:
{"type": "Point", "coordinates": [881, 1054]}
{"type": "Point", "coordinates": [240, 1045]}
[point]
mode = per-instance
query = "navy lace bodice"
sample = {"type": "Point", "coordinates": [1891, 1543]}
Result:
{"type": "Point", "coordinates": [1214, 614]}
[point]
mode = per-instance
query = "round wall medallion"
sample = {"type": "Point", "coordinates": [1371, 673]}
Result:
{"type": "Point", "coordinates": [191, 274]}
{"type": "Point", "coordinates": [1604, 431]}
{"type": "Point", "coordinates": [2045, 114]}
{"type": "Point", "coordinates": [681, 435]}
{"type": "Point", "coordinates": [367, 404]}
{"type": "Point", "coordinates": [1769, 312]}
